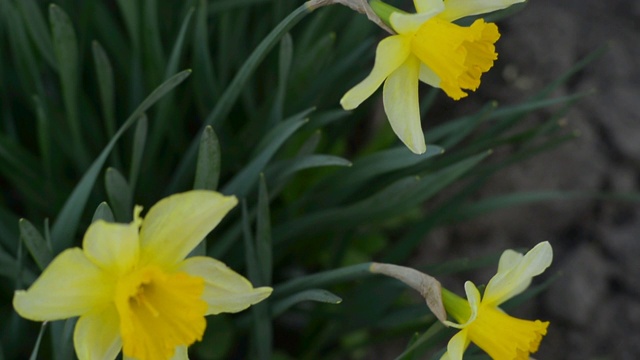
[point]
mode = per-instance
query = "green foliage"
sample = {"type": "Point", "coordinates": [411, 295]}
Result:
{"type": "Point", "coordinates": [260, 119]}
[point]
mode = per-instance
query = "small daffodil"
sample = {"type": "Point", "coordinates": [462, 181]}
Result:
{"type": "Point", "coordinates": [133, 286]}
{"type": "Point", "coordinates": [428, 47]}
{"type": "Point", "coordinates": [482, 322]}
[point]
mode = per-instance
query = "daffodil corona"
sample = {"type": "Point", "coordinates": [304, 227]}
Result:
{"type": "Point", "coordinates": [482, 322]}
{"type": "Point", "coordinates": [133, 287]}
{"type": "Point", "coordinates": [430, 48]}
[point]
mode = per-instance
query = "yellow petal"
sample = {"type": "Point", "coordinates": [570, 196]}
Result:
{"type": "Point", "coordinates": [514, 280]}
{"type": "Point", "coordinates": [404, 23]}
{"type": "Point", "coordinates": [456, 9]}
{"type": "Point", "coordinates": [390, 54]}
{"type": "Point", "coordinates": [225, 290]}
{"type": "Point", "coordinates": [456, 346]}
{"type": "Point", "coordinates": [402, 107]}
{"type": "Point", "coordinates": [113, 247]}
{"type": "Point", "coordinates": [70, 286]}
{"type": "Point", "coordinates": [97, 335]}
{"type": "Point", "coordinates": [176, 224]}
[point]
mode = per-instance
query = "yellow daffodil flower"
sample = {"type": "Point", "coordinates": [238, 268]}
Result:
{"type": "Point", "coordinates": [482, 322]}
{"type": "Point", "coordinates": [133, 287]}
{"type": "Point", "coordinates": [430, 48]}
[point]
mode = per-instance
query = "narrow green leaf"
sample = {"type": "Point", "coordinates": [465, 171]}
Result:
{"type": "Point", "coordinates": [36, 348]}
{"type": "Point", "coordinates": [241, 184]}
{"type": "Point", "coordinates": [65, 47]}
{"type": "Point", "coordinates": [321, 279]}
{"type": "Point", "coordinates": [44, 136]}
{"type": "Point", "coordinates": [205, 83]}
{"type": "Point", "coordinates": [208, 165]}
{"type": "Point", "coordinates": [139, 141]}
{"type": "Point", "coordinates": [284, 67]}
{"type": "Point", "coordinates": [392, 201]}
{"type": "Point", "coordinates": [229, 97]}
{"type": "Point", "coordinates": [435, 334]}
{"type": "Point", "coordinates": [382, 162]}
{"type": "Point", "coordinates": [69, 217]}
{"type": "Point", "coordinates": [37, 27]}
{"type": "Point", "coordinates": [103, 212]}
{"type": "Point", "coordinates": [283, 170]}
{"type": "Point", "coordinates": [318, 295]}
{"type": "Point", "coordinates": [104, 73]}
{"type": "Point", "coordinates": [263, 234]}
{"type": "Point", "coordinates": [261, 330]}
{"type": "Point", "coordinates": [130, 13]}
{"type": "Point", "coordinates": [35, 243]}
{"type": "Point", "coordinates": [166, 108]}
{"type": "Point", "coordinates": [119, 194]}
{"type": "Point", "coordinates": [154, 57]}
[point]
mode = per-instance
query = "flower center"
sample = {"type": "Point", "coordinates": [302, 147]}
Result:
{"type": "Point", "coordinates": [458, 55]}
{"type": "Point", "coordinates": [506, 337]}
{"type": "Point", "coordinates": [159, 311]}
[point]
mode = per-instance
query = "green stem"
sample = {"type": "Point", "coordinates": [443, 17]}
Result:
{"type": "Point", "coordinates": [322, 279]}
{"type": "Point", "coordinates": [456, 306]}
{"type": "Point", "coordinates": [384, 11]}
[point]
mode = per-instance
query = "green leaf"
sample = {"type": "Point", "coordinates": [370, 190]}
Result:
{"type": "Point", "coordinates": [208, 164]}
{"type": "Point", "coordinates": [104, 73]}
{"type": "Point", "coordinates": [263, 235]}
{"type": "Point", "coordinates": [387, 203]}
{"type": "Point", "coordinates": [119, 194]}
{"type": "Point", "coordinates": [284, 67]}
{"type": "Point", "coordinates": [69, 217]}
{"type": "Point", "coordinates": [435, 334]}
{"type": "Point", "coordinates": [317, 295]}
{"type": "Point", "coordinates": [44, 136]}
{"type": "Point", "coordinates": [103, 212]}
{"type": "Point", "coordinates": [139, 141]}
{"type": "Point", "coordinates": [229, 97]}
{"type": "Point", "coordinates": [36, 348]}
{"type": "Point", "coordinates": [65, 47]}
{"type": "Point", "coordinates": [164, 113]}
{"type": "Point", "coordinates": [321, 279]}
{"type": "Point", "coordinates": [39, 249]}
{"type": "Point", "coordinates": [241, 184]}
{"type": "Point", "coordinates": [38, 31]}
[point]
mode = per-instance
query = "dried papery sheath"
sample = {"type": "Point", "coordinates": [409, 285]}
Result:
{"type": "Point", "coordinates": [426, 285]}
{"type": "Point", "coordinates": [361, 6]}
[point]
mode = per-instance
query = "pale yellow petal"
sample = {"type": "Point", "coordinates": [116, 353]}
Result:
{"type": "Point", "coordinates": [505, 285]}
{"type": "Point", "coordinates": [456, 346]}
{"type": "Point", "coordinates": [176, 224]}
{"type": "Point", "coordinates": [427, 5]}
{"type": "Point", "coordinates": [508, 260]}
{"type": "Point", "coordinates": [390, 54]}
{"type": "Point", "coordinates": [407, 23]}
{"type": "Point", "coordinates": [225, 290]}
{"type": "Point", "coordinates": [427, 76]}
{"type": "Point", "coordinates": [456, 9]}
{"type": "Point", "coordinates": [70, 286]}
{"type": "Point", "coordinates": [181, 353]}
{"type": "Point", "coordinates": [402, 106]}
{"type": "Point", "coordinates": [113, 247]}
{"type": "Point", "coordinates": [97, 335]}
